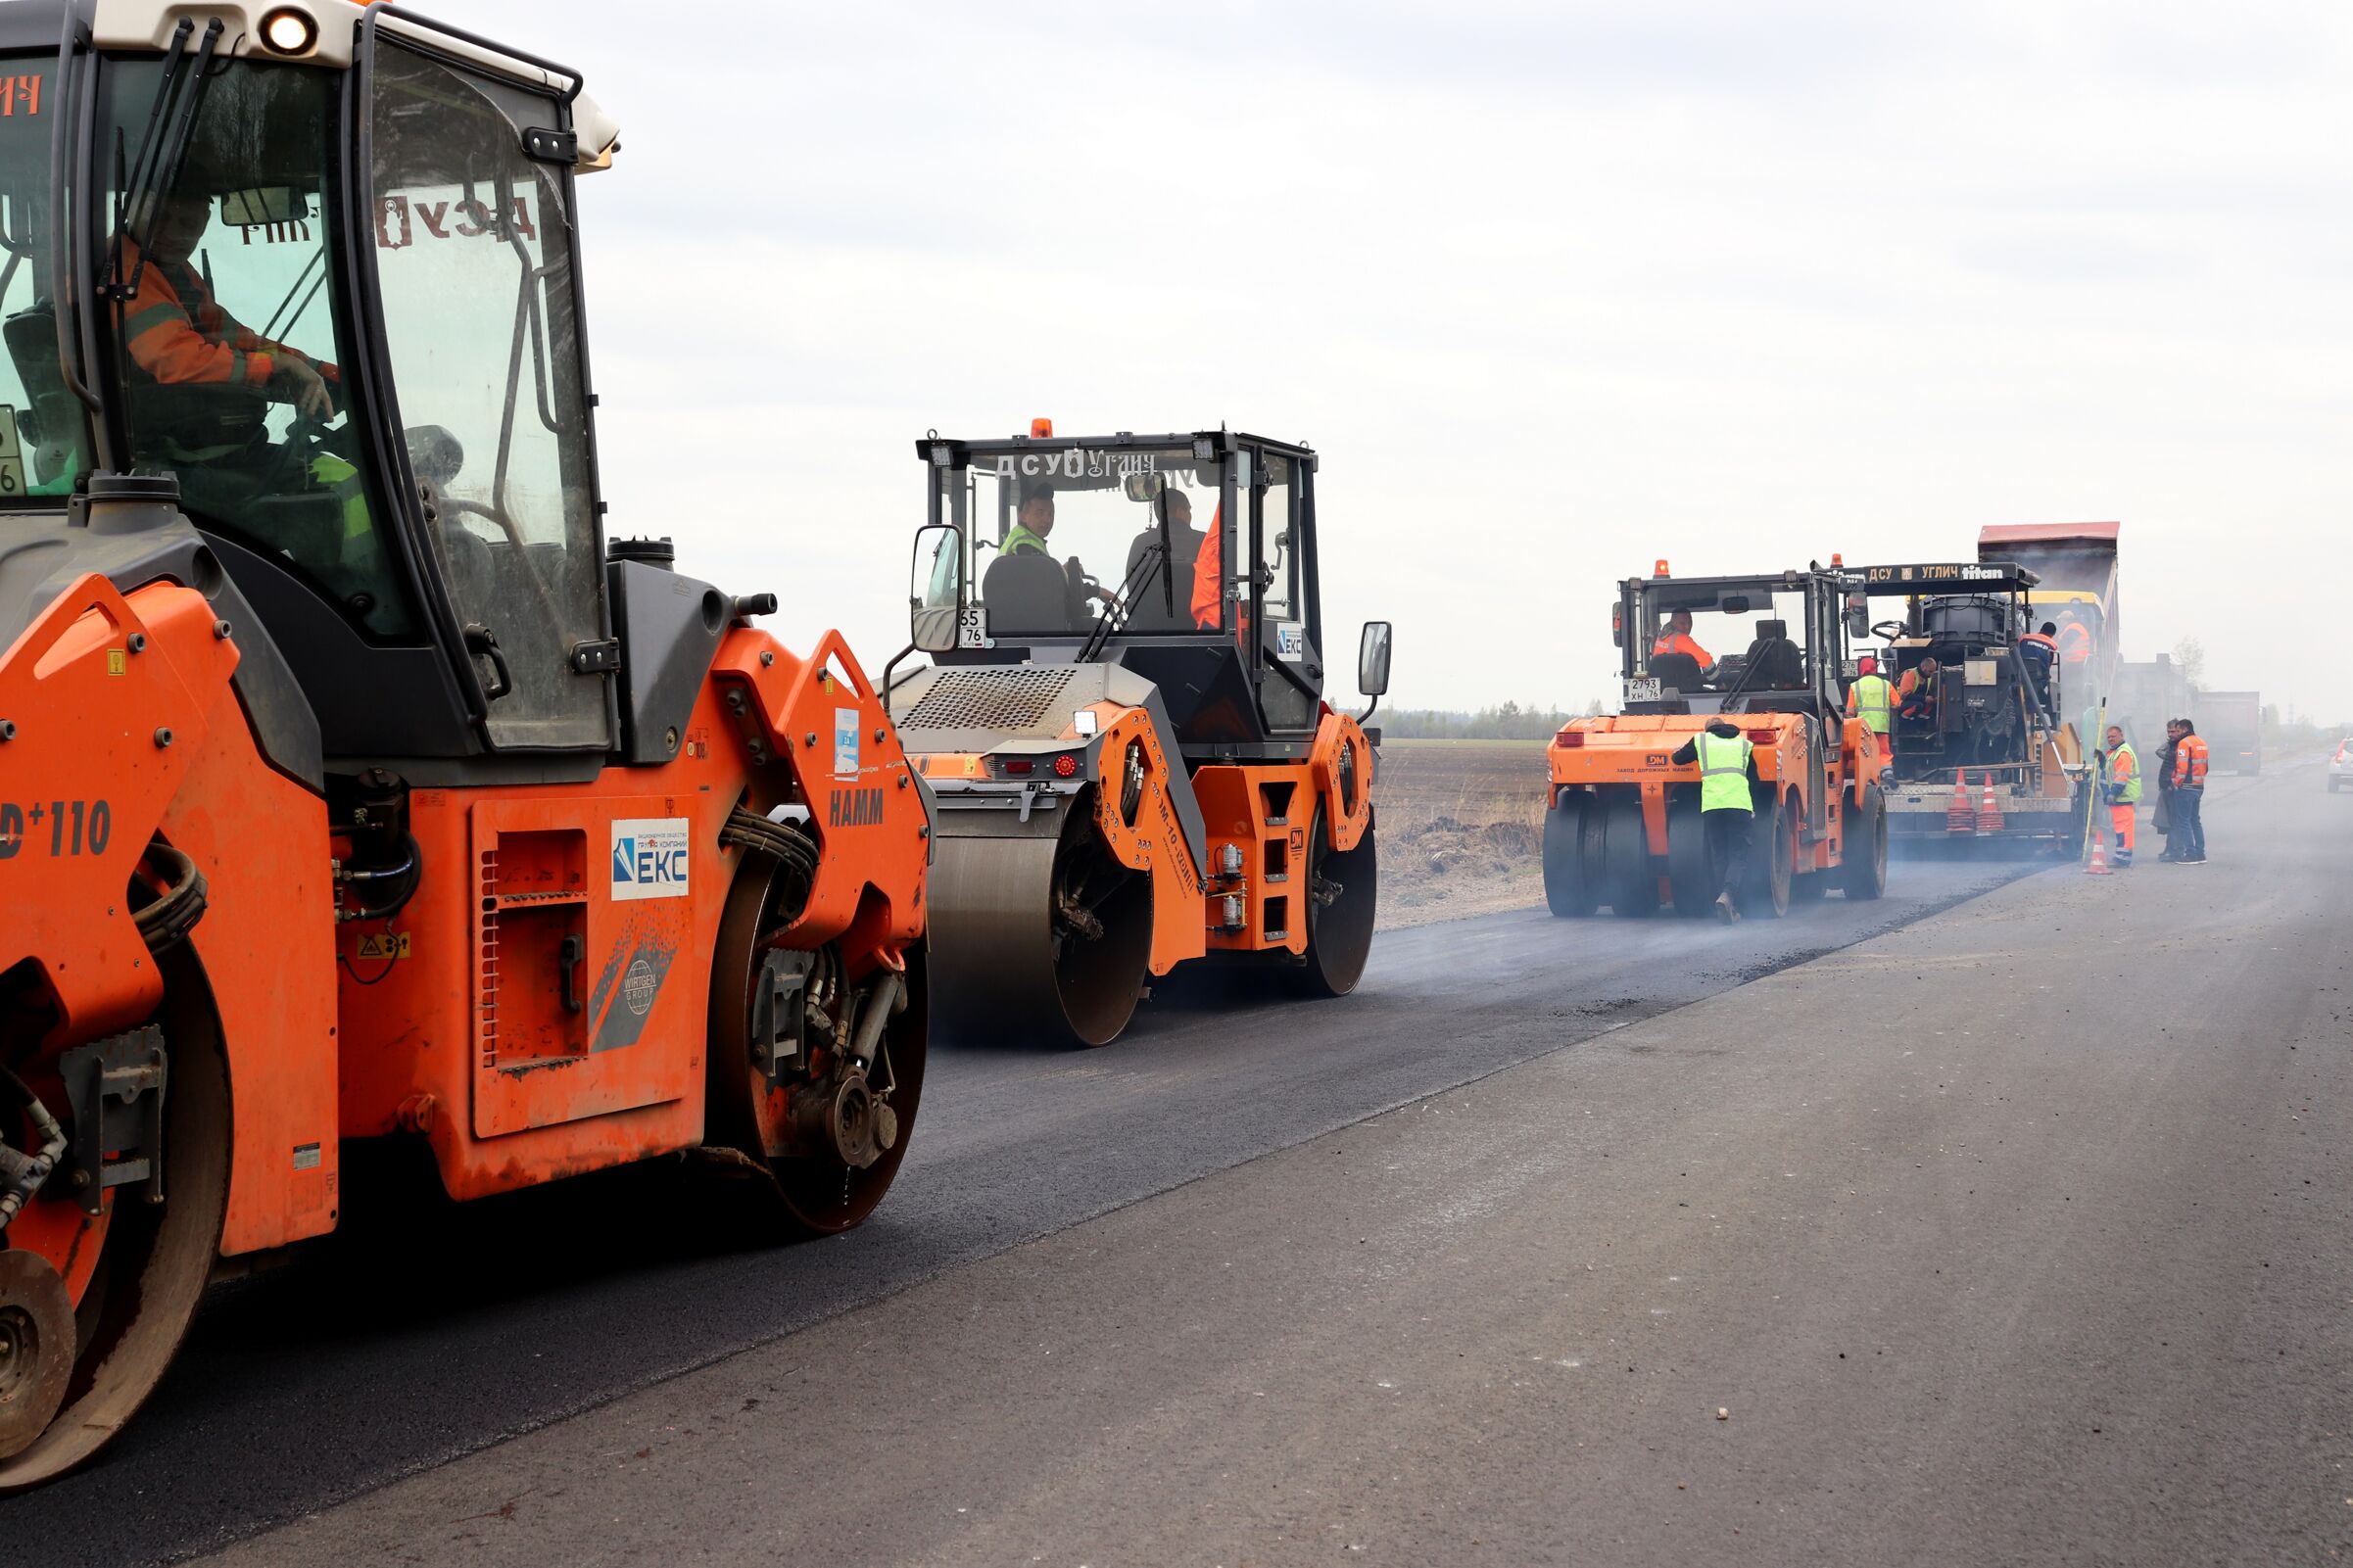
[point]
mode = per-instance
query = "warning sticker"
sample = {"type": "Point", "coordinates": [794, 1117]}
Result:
{"type": "Point", "coordinates": [392, 944]}
{"type": "Point", "coordinates": [649, 858]}
{"type": "Point", "coordinates": [845, 741]}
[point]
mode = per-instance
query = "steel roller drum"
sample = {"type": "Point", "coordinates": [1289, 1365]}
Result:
{"type": "Point", "coordinates": [997, 970]}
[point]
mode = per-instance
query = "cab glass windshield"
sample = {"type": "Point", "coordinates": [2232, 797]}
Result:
{"type": "Point", "coordinates": [43, 436]}
{"type": "Point", "coordinates": [1749, 639]}
{"type": "Point", "coordinates": [219, 287]}
{"type": "Point", "coordinates": [1058, 539]}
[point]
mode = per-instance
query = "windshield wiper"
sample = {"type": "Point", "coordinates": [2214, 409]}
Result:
{"type": "Point", "coordinates": [162, 150]}
{"type": "Point", "coordinates": [1116, 616]}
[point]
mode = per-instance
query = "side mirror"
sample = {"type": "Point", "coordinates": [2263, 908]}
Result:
{"type": "Point", "coordinates": [1372, 659]}
{"type": "Point", "coordinates": [936, 587]}
{"type": "Point", "coordinates": [1618, 626]}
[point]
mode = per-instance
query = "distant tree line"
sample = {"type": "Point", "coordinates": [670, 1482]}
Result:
{"type": "Point", "coordinates": [1507, 721]}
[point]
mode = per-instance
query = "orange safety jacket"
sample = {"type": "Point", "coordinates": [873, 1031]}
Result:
{"type": "Point", "coordinates": [2190, 763]}
{"type": "Point", "coordinates": [1681, 642]}
{"type": "Point", "coordinates": [2037, 636]}
{"type": "Point", "coordinates": [1207, 570]}
{"type": "Point", "coordinates": [175, 331]}
{"type": "Point", "coordinates": [2074, 644]}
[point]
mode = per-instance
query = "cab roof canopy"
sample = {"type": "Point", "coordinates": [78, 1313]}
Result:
{"type": "Point", "coordinates": [1208, 446]}
{"type": "Point", "coordinates": [1925, 579]}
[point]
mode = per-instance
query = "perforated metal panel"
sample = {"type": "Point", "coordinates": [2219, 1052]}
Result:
{"type": "Point", "coordinates": [989, 699]}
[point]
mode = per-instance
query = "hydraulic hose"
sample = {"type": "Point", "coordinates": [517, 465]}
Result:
{"type": "Point", "coordinates": [173, 911]}
{"type": "Point", "coordinates": [779, 840]}
{"type": "Point", "coordinates": [25, 1174]}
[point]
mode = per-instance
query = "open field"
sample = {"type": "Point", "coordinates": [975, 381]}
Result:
{"type": "Point", "coordinates": [1461, 829]}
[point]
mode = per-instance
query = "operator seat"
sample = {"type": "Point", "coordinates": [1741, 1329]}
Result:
{"type": "Point", "coordinates": [1151, 611]}
{"type": "Point", "coordinates": [1027, 593]}
{"type": "Point", "coordinates": [1678, 672]}
{"type": "Point", "coordinates": [1776, 660]}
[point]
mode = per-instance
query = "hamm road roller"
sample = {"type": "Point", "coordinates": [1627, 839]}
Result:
{"type": "Point", "coordinates": [352, 787]}
{"type": "Point", "coordinates": [1123, 726]}
{"type": "Point", "coordinates": [1623, 826]}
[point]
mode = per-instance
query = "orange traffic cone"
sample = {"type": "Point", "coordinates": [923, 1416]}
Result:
{"type": "Point", "coordinates": [1989, 812]}
{"type": "Point", "coordinates": [2099, 854]}
{"type": "Point", "coordinates": [1959, 817]}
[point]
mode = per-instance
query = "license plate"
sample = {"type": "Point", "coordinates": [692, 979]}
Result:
{"type": "Point", "coordinates": [1642, 689]}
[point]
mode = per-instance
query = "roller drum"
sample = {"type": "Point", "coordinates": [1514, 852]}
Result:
{"type": "Point", "coordinates": [1013, 957]}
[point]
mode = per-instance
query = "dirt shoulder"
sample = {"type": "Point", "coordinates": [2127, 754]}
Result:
{"type": "Point", "coordinates": [1462, 825]}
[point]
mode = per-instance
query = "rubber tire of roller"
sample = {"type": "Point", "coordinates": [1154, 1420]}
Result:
{"type": "Point", "coordinates": [1567, 891]}
{"type": "Point", "coordinates": [1690, 870]}
{"type": "Point", "coordinates": [1768, 895]}
{"type": "Point", "coordinates": [1863, 873]}
{"type": "Point", "coordinates": [1628, 878]}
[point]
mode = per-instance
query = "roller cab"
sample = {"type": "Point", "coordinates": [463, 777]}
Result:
{"type": "Point", "coordinates": [1124, 728]}
{"type": "Point", "coordinates": [1622, 827]}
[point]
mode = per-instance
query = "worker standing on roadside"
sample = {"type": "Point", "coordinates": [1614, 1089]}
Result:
{"type": "Point", "coordinates": [2123, 789]}
{"type": "Point", "coordinates": [2163, 818]}
{"type": "Point", "coordinates": [2189, 794]}
{"type": "Point", "coordinates": [1872, 698]}
{"type": "Point", "coordinates": [1727, 802]}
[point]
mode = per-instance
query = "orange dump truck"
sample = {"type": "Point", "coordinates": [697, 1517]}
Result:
{"type": "Point", "coordinates": [1623, 827]}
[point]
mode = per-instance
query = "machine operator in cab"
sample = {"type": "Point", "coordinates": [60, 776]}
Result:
{"type": "Point", "coordinates": [178, 333]}
{"type": "Point", "coordinates": [1676, 638]}
{"type": "Point", "coordinates": [1032, 526]}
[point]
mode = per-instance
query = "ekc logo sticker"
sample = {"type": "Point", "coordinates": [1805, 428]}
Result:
{"type": "Point", "coordinates": [649, 858]}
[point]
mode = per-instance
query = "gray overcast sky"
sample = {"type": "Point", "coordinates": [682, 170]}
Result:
{"type": "Point", "coordinates": [1556, 289]}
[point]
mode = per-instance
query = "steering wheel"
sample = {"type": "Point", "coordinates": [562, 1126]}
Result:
{"type": "Point", "coordinates": [1889, 630]}
{"type": "Point", "coordinates": [305, 439]}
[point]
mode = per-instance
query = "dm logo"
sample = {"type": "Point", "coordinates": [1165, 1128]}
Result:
{"type": "Point", "coordinates": [651, 859]}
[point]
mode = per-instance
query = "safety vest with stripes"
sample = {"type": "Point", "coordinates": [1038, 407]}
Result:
{"type": "Point", "coordinates": [2124, 766]}
{"type": "Point", "coordinates": [1874, 698]}
{"type": "Point", "coordinates": [1723, 772]}
{"type": "Point", "coordinates": [2189, 764]}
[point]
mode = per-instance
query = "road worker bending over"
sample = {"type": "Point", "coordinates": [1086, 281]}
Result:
{"type": "Point", "coordinates": [1873, 700]}
{"type": "Point", "coordinates": [2122, 789]}
{"type": "Point", "coordinates": [1727, 806]}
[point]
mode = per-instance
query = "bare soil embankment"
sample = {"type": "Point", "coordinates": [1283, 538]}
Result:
{"type": "Point", "coordinates": [1461, 829]}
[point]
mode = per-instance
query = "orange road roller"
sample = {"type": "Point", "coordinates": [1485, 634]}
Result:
{"type": "Point", "coordinates": [352, 787]}
{"type": "Point", "coordinates": [1123, 726]}
{"type": "Point", "coordinates": [1623, 827]}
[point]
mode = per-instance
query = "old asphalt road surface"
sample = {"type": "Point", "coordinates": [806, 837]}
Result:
{"type": "Point", "coordinates": [1919, 1269]}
